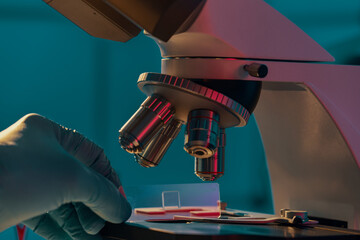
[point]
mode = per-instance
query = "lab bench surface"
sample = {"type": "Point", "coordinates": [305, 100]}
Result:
{"type": "Point", "coordinates": [210, 231]}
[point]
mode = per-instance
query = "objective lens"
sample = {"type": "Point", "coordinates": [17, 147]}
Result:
{"type": "Point", "coordinates": [212, 168]}
{"type": "Point", "coordinates": [158, 146]}
{"type": "Point", "coordinates": [201, 134]}
{"type": "Point", "coordinates": [152, 115]}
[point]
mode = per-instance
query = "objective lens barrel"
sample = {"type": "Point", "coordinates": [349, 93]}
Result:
{"type": "Point", "coordinates": [212, 168]}
{"type": "Point", "coordinates": [201, 134]}
{"type": "Point", "coordinates": [158, 146]}
{"type": "Point", "coordinates": [153, 114]}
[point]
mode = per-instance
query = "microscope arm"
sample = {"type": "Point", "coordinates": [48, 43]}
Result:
{"type": "Point", "coordinates": [309, 120]}
{"type": "Point", "coordinates": [210, 49]}
{"type": "Point", "coordinates": [307, 112]}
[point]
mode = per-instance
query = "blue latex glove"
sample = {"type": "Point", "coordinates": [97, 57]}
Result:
{"type": "Point", "coordinates": [56, 181]}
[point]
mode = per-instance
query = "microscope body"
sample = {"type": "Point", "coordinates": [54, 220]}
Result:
{"type": "Point", "coordinates": [307, 110]}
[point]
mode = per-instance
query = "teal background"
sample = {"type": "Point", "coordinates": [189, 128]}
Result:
{"type": "Point", "coordinates": [51, 67]}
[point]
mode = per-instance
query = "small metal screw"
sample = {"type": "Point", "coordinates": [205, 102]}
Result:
{"type": "Point", "coordinates": [257, 70]}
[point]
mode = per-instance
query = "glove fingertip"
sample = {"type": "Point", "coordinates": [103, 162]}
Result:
{"type": "Point", "coordinates": [91, 223]}
{"type": "Point", "coordinates": [94, 228]}
{"type": "Point", "coordinates": [126, 211]}
{"type": "Point", "coordinates": [103, 198]}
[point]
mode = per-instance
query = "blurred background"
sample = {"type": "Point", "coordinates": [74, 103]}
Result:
{"type": "Point", "coordinates": [51, 67]}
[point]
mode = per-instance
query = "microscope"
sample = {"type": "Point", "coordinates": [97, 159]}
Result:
{"type": "Point", "coordinates": [223, 60]}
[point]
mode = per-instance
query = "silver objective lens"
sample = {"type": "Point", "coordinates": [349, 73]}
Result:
{"type": "Point", "coordinates": [201, 136]}
{"type": "Point", "coordinates": [154, 113]}
{"type": "Point", "coordinates": [158, 146]}
{"type": "Point", "coordinates": [212, 168]}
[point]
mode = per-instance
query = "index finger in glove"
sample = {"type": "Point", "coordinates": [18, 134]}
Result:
{"type": "Point", "coordinates": [71, 141]}
{"type": "Point", "coordinates": [94, 157]}
{"type": "Point", "coordinates": [87, 152]}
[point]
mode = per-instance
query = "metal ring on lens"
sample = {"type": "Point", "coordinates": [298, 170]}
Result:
{"type": "Point", "coordinates": [202, 131]}
{"type": "Point", "coordinates": [158, 146]}
{"type": "Point", "coordinates": [148, 120]}
{"type": "Point", "coordinates": [212, 168]}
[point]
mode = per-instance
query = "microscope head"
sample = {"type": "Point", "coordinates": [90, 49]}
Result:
{"type": "Point", "coordinates": [122, 20]}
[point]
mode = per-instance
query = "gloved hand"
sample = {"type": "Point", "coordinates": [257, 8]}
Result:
{"type": "Point", "coordinates": [56, 181]}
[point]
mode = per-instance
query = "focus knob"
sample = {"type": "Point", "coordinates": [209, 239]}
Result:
{"type": "Point", "coordinates": [257, 70]}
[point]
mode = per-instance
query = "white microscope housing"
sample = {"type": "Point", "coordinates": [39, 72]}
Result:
{"type": "Point", "coordinates": [307, 111]}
